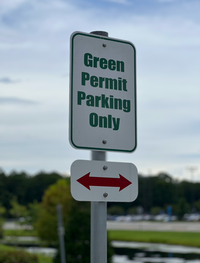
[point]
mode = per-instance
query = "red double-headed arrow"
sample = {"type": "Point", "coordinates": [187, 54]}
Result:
{"type": "Point", "coordinates": [88, 181]}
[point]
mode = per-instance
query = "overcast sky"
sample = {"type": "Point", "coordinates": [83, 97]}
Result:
{"type": "Point", "coordinates": [34, 81]}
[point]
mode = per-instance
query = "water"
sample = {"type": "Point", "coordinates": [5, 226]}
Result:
{"type": "Point", "coordinates": [129, 252]}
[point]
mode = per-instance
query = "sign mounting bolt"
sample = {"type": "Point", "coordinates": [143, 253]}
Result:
{"type": "Point", "coordinates": [104, 141]}
{"type": "Point", "coordinates": [104, 45]}
{"type": "Point", "coordinates": [105, 167]}
{"type": "Point", "coordinates": [105, 195]}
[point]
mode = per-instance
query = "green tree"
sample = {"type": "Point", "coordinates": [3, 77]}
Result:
{"type": "Point", "coordinates": [155, 210]}
{"type": "Point", "coordinates": [197, 205]}
{"type": "Point", "coordinates": [132, 211]}
{"type": "Point", "coordinates": [5, 195]}
{"type": "Point", "coordinates": [39, 183]}
{"type": "Point", "coordinates": [77, 234]}
{"type": "Point", "coordinates": [33, 212]}
{"type": "Point", "coordinates": [17, 185]}
{"type": "Point", "coordinates": [17, 210]}
{"type": "Point", "coordinates": [2, 212]}
{"type": "Point", "coordinates": [181, 208]}
{"type": "Point", "coordinates": [27, 188]}
{"type": "Point", "coordinates": [46, 225]}
{"type": "Point", "coordinates": [115, 210]}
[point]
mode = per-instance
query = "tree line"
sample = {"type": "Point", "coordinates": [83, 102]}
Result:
{"type": "Point", "coordinates": [155, 191]}
{"type": "Point", "coordinates": [26, 188]}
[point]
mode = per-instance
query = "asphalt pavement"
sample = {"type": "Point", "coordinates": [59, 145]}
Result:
{"type": "Point", "coordinates": [15, 226]}
{"type": "Point", "coordinates": [138, 225]}
{"type": "Point", "coordinates": [155, 226]}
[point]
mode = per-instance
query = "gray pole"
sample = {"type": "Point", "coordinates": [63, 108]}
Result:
{"type": "Point", "coordinates": [98, 223]}
{"type": "Point", "coordinates": [61, 233]}
{"type": "Point", "coordinates": [99, 212]}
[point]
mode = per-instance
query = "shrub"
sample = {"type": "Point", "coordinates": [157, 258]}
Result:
{"type": "Point", "coordinates": [17, 257]}
{"type": "Point", "coordinates": [1, 228]}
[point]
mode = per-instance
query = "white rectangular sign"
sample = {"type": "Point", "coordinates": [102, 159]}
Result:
{"type": "Point", "coordinates": [102, 93]}
{"type": "Point", "coordinates": [104, 181]}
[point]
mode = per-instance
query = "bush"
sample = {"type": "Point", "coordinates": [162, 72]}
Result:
{"type": "Point", "coordinates": [1, 228]}
{"type": "Point", "coordinates": [17, 257]}
{"type": "Point", "coordinates": [115, 210]}
{"type": "Point", "coordinates": [2, 212]}
{"type": "Point", "coordinates": [77, 235]}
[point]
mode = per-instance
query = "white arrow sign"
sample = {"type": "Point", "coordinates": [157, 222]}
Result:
{"type": "Point", "coordinates": [104, 181]}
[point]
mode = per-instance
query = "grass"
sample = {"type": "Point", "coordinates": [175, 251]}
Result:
{"type": "Point", "coordinates": [6, 248]}
{"type": "Point", "coordinates": [41, 258]}
{"type": "Point", "coordinates": [19, 233]}
{"type": "Point", "coordinates": [175, 238]}
{"type": "Point", "coordinates": [44, 259]}
{"type": "Point", "coordinates": [15, 233]}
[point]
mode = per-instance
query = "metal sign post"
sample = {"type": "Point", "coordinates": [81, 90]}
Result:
{"type": "Point", "coordinates": [61, 233]}
{"type": "Point", "coordinates": [98, 247]}
{"type": "Point", "coordinates": [98, 229]}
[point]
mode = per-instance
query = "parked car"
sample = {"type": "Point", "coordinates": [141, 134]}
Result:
{"type": "Point", "coordinates": [192, 217]}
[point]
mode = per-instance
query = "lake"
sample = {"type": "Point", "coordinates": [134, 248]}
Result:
{"type": "Point", "coordinates": [129, 252]}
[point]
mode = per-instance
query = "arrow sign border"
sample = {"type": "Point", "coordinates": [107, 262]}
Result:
{"type": "Point", "coordinates": [97, 193]}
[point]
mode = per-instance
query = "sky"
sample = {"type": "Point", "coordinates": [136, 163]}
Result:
{"type": "Point", "coordinates": [34, 82]}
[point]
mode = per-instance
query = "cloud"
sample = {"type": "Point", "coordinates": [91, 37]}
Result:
{"type": "Point", "coordinates": [8, 6]}
{"type": "Point", "coordinates": [7, 80]}
{"type": "Point", "coordinates": [124, 2]}
{"type": "Point", "coordinates": [15, 100]}
{"type": "Point", "coordinates": [166, 1]}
